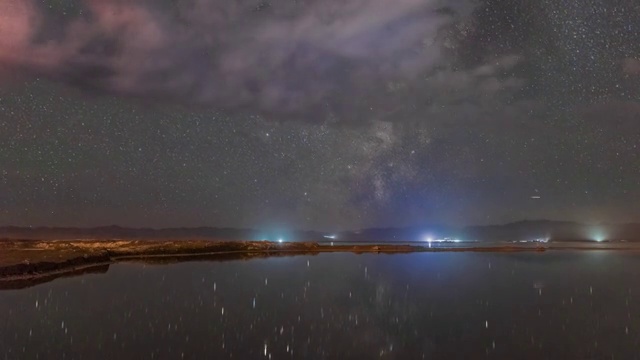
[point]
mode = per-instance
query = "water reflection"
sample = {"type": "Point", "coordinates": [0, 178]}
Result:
{"type": "Point", "coordinates": [337, 306]}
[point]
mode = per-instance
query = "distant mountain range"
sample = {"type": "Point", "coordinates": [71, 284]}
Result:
{"type": "Point", "coordinates": [521, 230]}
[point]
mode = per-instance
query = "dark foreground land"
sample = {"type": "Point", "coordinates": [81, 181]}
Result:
{"type": "Point", "coordinates": [24, 263]}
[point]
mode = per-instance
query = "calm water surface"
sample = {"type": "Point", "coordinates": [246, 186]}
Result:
{"type": "Point", "coordinates": [556, 305]}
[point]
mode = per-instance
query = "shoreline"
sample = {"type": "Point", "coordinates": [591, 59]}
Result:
{"type": "Point", "coordinates": [25, 263]}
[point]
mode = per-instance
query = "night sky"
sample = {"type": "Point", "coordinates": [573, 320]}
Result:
{"type": "Point", "coordinates": [326, 114]}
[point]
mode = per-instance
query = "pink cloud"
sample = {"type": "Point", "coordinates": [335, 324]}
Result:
{"type": "Point", "coordinates": [289, 58]}
{"type": "Point", "coordinates": [17, 22]}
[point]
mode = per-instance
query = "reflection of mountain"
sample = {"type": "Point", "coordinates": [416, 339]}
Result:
{"type": "Point", "coordinates": [522, 230]}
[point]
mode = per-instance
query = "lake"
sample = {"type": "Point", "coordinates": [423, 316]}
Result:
{"type": "Point", "coordinates": [555, 304]}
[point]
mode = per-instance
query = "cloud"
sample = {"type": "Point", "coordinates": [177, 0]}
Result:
{"type": "Point", "coordinates": [319, 58]}
{"type": "Point", "coordinates": [16, 26]}
{"type": "Point", "coordinates": [17, 21]}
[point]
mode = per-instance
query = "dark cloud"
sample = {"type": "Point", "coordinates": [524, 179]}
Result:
{"type": "Point", "coordinates": [300, 59]}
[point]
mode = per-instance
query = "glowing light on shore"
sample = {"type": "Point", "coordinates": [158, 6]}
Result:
{"type": "Point", "coordinates": [429, 240]}
{"type": "Point", "coordinates": [598, 236]}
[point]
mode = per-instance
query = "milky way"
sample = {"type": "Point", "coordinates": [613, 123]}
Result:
{"type": "Point", "coordinates": [318, 114]}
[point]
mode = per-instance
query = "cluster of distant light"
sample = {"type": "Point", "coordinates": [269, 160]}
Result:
{"type": "Point", "coordinates": [430, 240]}
{"type": "Point", "coordinates": [598, 237]}
{"type": "Point", "coordinates": [281, 239]}
{"type": "Point", "coordinates": [536, 240]}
